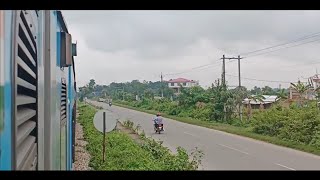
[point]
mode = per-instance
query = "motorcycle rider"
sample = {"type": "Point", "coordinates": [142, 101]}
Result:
{"type": "Point", "coordinates": [158, 121]}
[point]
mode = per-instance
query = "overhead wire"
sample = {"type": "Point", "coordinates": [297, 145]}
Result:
{"type": "Point", "coordinates": [283, 44]}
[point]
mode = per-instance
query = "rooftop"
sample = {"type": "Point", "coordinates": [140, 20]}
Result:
{"type": "Point", "coordinates": [268, 99]}
{"type": "Point", "coordinates": [180, 80]}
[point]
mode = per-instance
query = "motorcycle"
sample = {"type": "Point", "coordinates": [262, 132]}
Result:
{"type": "Point", "coordinates": [158, 128]}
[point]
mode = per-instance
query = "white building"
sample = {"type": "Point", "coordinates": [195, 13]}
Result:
{"type": "Point", "coordinates": [176, 84]}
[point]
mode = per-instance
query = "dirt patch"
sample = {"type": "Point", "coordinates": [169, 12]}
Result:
{"type": "Point", "coordinates": [129, 132]}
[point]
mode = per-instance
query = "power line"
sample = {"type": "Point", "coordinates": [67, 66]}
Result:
{"type": "Point", "coordinates": [283, 48]}
{"type": "Point", "coordinates": [290, 42]}
{"type": "Point", "coordinates": [194, 68]}
{"type": "Point", "coordinates": [279, 45]}
{"type": "Point", "coordinates": [251, 52]}
{"type": "Point", "coordinates": [301, 64]}
{"type": "Point", "coordinates": [258, 79]}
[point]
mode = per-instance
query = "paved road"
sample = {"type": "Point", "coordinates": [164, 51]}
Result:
{"type": "Point", "coordinates": [223, 151]}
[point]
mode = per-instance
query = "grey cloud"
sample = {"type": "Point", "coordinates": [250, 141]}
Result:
{"type": "Point", "coordinates": [166, 33]}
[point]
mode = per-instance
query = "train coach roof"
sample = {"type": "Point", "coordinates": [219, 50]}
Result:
{"type": "Point", "coordinates": [62, 21]}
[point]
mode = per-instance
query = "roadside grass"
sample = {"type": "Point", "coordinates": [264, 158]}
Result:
{"type": "Point", "coordinates": [123, 153]}
{"type": "Point", "coordinates": [242, 131]}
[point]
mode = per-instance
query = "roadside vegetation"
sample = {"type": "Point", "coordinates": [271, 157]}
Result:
{"type": "Point", "coordinates": [292, 124]}
{"type": "Point", "coordinates": [124, 153]}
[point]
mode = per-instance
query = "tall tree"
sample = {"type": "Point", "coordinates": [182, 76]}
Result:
{"type": "Point", "coordinates": [92, 84]}
{"type": "Point", "coordinates": [267, 90]}
{"type": "Point", "coordinates": [222, 101]}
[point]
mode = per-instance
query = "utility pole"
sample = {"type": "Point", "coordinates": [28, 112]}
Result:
{"type": "Point", "coordinates": [239, 71]}
{"type": "Point", "coordinates": [161, 85]}
{"type": "Point", "coordinates": [123, 93]}
{"type": "Point", "coordinates": [240, 104]}
{"type": "Point", "coordinates": [239, 74]}
{"type": "Point", "coordinates": [223, 70]}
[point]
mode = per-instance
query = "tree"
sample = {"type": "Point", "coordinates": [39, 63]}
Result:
{"type": "Point", "coordinates": [301, 89]}
{"type": "Point", "coordinates": [267, 90]}
{"type": "Point", "coordinates": [256, 90]}
{"type": "Point", "coordinates": [222, 101]}
{"type": "Point", "coordinates": [239, 93]}
{"type": "Point", "coordinates": [190, 96]}
{"type": "Point", "coordinates": [148, 93]}
{"type": "Point", "coordinates": [84, 92]}
{"type": "Point", "coordinates": [282, 94]}
{"type": "Point", "coordinates": [92, 84]}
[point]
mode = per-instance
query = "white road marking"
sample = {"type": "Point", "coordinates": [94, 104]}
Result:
{"type": "Point", "coordinates": [234, 149]}
{"type": "Point", "coordinates": [190, 134]}
{"type": "Point", "coordinates": [285, 166]}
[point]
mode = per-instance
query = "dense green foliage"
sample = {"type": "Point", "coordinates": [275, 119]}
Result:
{"type": "Point", "coordinates": [218, 104]}
{"type": "Point", "coordinates": [126, 91]}
{"type": "Point", "coordinates": [123, 153]}
{"type": "Point", "coordinates": [299, 125]}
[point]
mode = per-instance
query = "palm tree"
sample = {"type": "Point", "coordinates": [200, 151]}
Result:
{"type": "Point", "coordinates": [301, 89]}
{"type": "Point", "coordinates": [282, 95]}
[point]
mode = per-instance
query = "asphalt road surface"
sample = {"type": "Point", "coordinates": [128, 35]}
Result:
{"type": "Point", "coordinates": [223, 151]}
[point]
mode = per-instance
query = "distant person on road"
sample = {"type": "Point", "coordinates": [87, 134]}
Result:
{"type": "Point", "coordinates": [158, 121]}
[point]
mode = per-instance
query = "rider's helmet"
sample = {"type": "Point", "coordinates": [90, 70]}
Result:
{"type": "Point", "coordinates": [158, 114]}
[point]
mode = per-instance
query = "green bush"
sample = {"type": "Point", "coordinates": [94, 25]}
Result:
{"type": "Point", "coordinates": [268, 122]}
{"type": "Point", "coordinates": [298, 125]}
{"type": "Point", "coordinates": [316, 140]}
{"type": "Point", "coordinates": [201, 113]}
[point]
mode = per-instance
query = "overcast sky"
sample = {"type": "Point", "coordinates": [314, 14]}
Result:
{"type": "Point", "coordinates": [118, 46]}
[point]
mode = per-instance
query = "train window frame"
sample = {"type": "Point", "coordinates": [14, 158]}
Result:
{"type": "Point", "coordinates": [65, 50]}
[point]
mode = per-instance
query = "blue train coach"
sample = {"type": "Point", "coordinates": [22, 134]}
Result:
{"type": "Point", "coordinates": [37, 91]}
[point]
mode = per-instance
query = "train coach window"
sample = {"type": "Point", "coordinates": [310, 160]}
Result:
{"type": "Point", "coordinates": [66, 50]}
